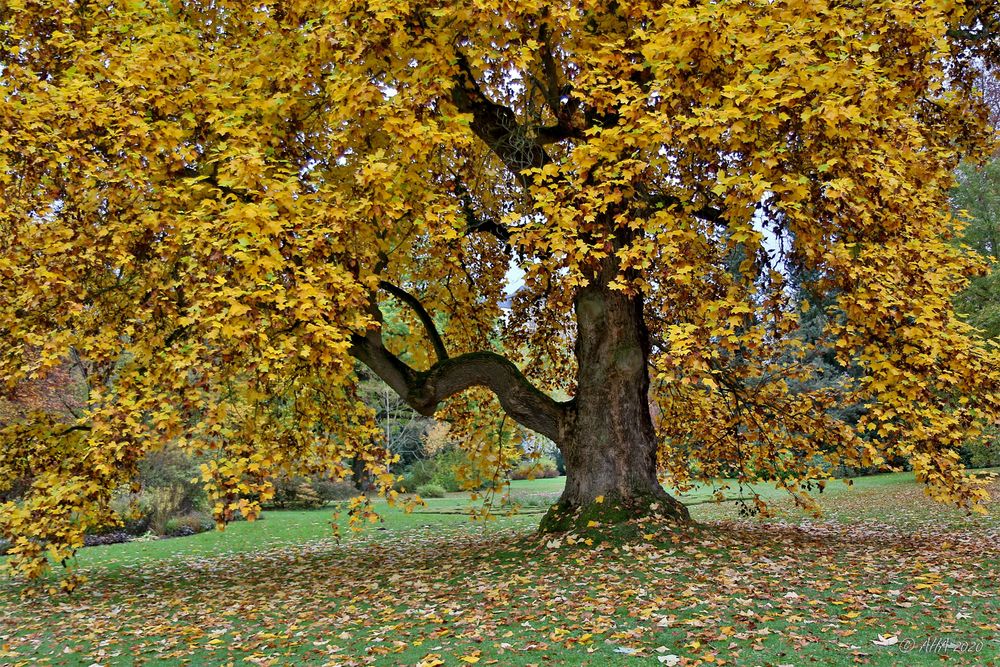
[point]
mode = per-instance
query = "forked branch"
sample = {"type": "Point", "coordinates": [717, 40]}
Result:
{"type": "Point", "coordinates": [425, 391]}
{"type": "Point", "coordinates": [425, 318]}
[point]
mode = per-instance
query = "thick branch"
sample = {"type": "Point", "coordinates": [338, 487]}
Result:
{"type": "Point", "coordinates": [550, 67]}
{"type": "Point", "coordinates": [477, 224]}
{"type": "Point", "coordinates": [424, 391]}
{"type": "Point", "coordinates": [551, 134]}
{"type": "Point", "coordinates": [425, 318]}
{"type": "Point", "coordinates": [497, 125]}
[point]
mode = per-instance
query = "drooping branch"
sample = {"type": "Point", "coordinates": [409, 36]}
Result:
{"type": "Point", "coordinates": [424, 391]}
{"type": "Point", "coordinates": [425, 318]}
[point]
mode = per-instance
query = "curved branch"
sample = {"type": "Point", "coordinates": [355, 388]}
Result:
{"type": "Point", "coordinates": [425, 318]}
{"type": "Point", "coordinates": [425, 391]}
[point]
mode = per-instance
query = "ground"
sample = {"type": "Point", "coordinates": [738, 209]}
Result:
{"type": "Point", "coordinates": [884, 578]}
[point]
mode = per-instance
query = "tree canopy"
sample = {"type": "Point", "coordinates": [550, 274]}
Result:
{"type": "Point", "coordinates": [207, 201]}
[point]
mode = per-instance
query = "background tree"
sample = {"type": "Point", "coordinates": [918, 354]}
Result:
{"type": "Point", "coordinates": [403, 428]}
{"type": "Point", "coordinates": [978, 195]}
{"type": "Point", "coordinates": [214, 201]}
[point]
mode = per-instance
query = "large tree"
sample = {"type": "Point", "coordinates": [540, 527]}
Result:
{"type": "Point", "coordinates": [208, 200]}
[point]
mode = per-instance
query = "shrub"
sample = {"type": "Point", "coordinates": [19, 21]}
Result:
{"type": "Point", "coordinates": [188, 524]}
{"type": "Point", "coordinates": [162, 504]}
{"type": "Point", "coordinates": [420, 473]}
{"type": "Point", "coordinates": [167, 491]}
{"type": "Point", "coordinates": [147, 511]}
{"type": "Point", "coordinates": [130, 509]}
{"type": "Point", "coordinates": [445, 477]}
{"type": "Point", "coordinates": [543, 468]}
{"type": "Point", "coordinates": [983, 452]}
{"type": "Point", "coordinates": [296, 492]}
{"type": "Point", "coordinates": [172, 468]}
{"type": "Point", "coordinates": [438, 471]}
{"type": "Point", "coordinates": [114, 537]}
{"type": "Point", "coordinates": [444, 469]}
{"type": "Point", "coordinates": [452, 467]}
{"type": "Point", "coordinates": [306, 496]}
{"type": "Point", "coordinates": [431, 491]}
{"type": "Point", "coordinates": [330, 490]}
{"type": "Point", "coordinates": [150, 510]}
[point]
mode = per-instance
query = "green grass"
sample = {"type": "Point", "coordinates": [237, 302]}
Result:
{"type": "Point", "coordinates": [423, 587]}
{"type": "Point", "coordinates": [283, 528]}
{"type": "Point", "coordinates": [277, 529]}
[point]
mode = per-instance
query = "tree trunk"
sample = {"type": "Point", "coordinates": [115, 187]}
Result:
{"type": "Point", "coordinates": [605, 433]}
{"type": "Point", "coordinates": [608, 440]}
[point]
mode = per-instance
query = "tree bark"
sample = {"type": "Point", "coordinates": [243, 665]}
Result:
{"type": "Point", "coordinates": [609, 443]}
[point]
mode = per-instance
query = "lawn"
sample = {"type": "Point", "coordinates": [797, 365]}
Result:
{"type": "Point", "coordinates": [433, 588]}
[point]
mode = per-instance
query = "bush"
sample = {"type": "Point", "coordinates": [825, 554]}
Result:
{"type": "Point", "coordinates": [443, 470]}
{"type": "Point", "coordinates": [447, 465]}
{"type": "Point", "coordinates": [301, 492]}
{"type": "Point", "coordinates": [152, 509]}
{"type": "Point", "coordinates": [161, 504]}
{"type": "Point", "coordinates": [172, 468]}
{"type": "Point", "coordinates": [543, 468]}
{"type": "Point", "coordinates": [114, 537]}
{"type": "Point", "coordinates": [167, 491]}
{"type": "Point", "coordinates": [419, 473]}
{"type": "Point", "coordinates": [306, 496]}
{"type": "Point", "coordinates": [189, 524]}
{"type": "Point", "coordinates": [984, 452]}
{"type": "Point", "coordinates": [444, 473]}
{"type": "Point", "coordinates": [331, 490]}
{"type": "Point", "coordinates": [133, 512]}
{"type": "Point", "coordinates": [437, 471]}
{"type": "Point", "coordinates": [149, 510]}
{"type": "Point", "coordinates": [431, 491]}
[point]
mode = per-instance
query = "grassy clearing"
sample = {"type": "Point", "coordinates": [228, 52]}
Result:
{"type": "Point", "coordinates": [434, 589]}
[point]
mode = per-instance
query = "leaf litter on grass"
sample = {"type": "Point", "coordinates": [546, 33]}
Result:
{"type": "Point", "coordinates": [729, 592]}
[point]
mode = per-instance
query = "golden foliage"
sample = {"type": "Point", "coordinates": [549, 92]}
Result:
{"type": "Point", "coordinates": [201, 199]}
